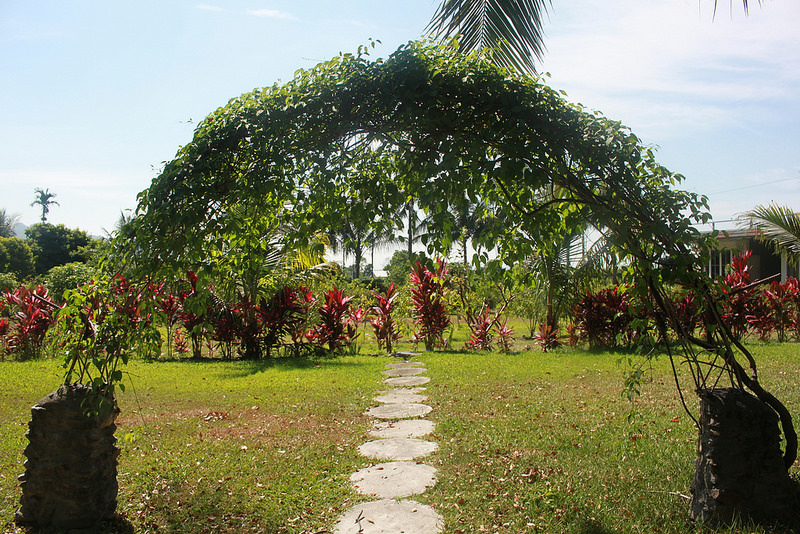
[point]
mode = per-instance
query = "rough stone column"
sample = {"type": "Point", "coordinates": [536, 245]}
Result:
{"type": "Point", "coordinates": [739, 469]}
{"type": "Point", "coordinates": [70, 479]}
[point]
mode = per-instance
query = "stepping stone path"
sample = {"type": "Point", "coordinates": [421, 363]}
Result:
{"type": "Point", "coordinates": [398, 429]}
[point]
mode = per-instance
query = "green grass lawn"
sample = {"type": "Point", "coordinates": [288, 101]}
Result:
{"type": "Point", "coordinates": [528, 442]}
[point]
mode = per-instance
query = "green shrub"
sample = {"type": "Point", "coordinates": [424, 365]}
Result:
{"type": "Point", "coordinates": [16, 257]}
{"type": "Point", "coordinates": [8, 282]}
{"type": "Point", "coordinates": [67, 276]}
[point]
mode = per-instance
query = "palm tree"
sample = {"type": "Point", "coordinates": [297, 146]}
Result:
{"type": "Point", "coordinates": [355, 239]}
{"type": "Point", "coordinates": [512, 29]}
{"type": "Point", "coordinates": [45, 200]}
{"type": "Point", "coordinates": [7, 223]}
{"type": "Point", "coordinates": [778, 225]}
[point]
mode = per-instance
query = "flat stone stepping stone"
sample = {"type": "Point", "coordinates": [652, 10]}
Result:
{"type": "Point", "coordinates": [399, 411]}
{"type": "Point", "coordinates": [405, 365]}
{"type": "Point", "coordinates": [404, 428]}
{"type": "Point", "coordinates": [403, 391]}
{"type": "Point", "coordinates": [408, 371]}
{"type": "Point", "coordinates": [400, 397]}
{"type": "Point", "coordinates": [389, 516]}
{"type": "Point", "coordinates": [397, 448]}
{"type": "Point", "coordinates": [407, 380]}
{"type": "Point", "coordinates": [392, 480]}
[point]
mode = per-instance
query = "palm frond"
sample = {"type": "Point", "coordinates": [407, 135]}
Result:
{"type": "Point", "coordinates": [512, 29]}
{"type": "Point", "coordinates": [745, 3]}
{"type": "Point", "coordinates": [777, 225]}
{"type": "Point", "coordinates": [7, 223]}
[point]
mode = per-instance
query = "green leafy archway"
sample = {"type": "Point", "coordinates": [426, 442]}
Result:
{"type": "Point", "coordinates": [433, 126]}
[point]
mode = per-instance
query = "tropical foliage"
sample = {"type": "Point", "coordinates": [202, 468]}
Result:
{"type": "Point", "coordinates": [511, 29]}
{"type": "Point", "coordinates": [384, 325]}
{"type": "Point", "coordinates": [7, 223]}
{"type": "Point", "coordinates": [427, 298]}
{"type": "Point", "coordinates": [30, 315]}
{"type": "Point", "coordinates": [16, 257]}
{"type": "Point", "coordinates": [779, 226]}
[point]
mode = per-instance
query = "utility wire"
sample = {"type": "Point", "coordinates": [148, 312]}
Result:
{"type": "Point", "coordinates": [752, 186]}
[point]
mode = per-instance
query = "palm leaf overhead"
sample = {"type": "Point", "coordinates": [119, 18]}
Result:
{"type": "Point", "coordinates": [745, 4]}
{"type": "Point", "coordinates": [511, 28]}
{"type": "Point", "coordinates": [778, 225]}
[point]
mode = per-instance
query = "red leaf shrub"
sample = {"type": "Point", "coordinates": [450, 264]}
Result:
{"type": "Point", "coordinates": [505, 336]}
{"type": "Point", "coordinates": [602, 317]}
{"type": "Point", "coordinates": [339, 324]}
{"type": "Point", "coordinates": [31, 316]}
{"type": "Point", "coordinates": [737, 297]}
{"type": "Point", "coordinates": [481, 336]}
{"type": "Point", "coordinates": [427, 300]}
{"type": "Point", "coordinates": [383, 324]}
{"type": "Point", "coordinates": [547, 337]}
{"type": "Point", "coordinates": [283, 315]}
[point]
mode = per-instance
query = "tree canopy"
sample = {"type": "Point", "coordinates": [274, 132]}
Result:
{"type": "Point", "coordinates": [425, 124]}
{"type": "Point", "coordinates": [56, 245]}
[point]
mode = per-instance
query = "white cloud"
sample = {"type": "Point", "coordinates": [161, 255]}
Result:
{"type": "Point", "coordinates": [671, 55]}
{"type": "Point", "coordinates": [207, 7]}
{"type": "Point", "coordinates": [271, 13]}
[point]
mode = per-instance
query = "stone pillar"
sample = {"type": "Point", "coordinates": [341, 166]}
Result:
{"type": "Point", "coordinates": [739, 470]}
{"type": "Point", "coordinates": [70, 479]}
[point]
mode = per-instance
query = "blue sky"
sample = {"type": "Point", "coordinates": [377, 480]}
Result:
{"type": "Point", "coordinates": [96, 95]}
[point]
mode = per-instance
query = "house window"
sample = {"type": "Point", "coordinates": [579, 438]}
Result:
{"type": "Point", "coordinates": [720, 259]}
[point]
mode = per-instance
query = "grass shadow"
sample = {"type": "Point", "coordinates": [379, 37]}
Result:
{"type": "Point", "coordinates": [116, 525]}
{"type": "Point", "coordinates": [589, 526]}
{"type": "Point", "coordinates": [237, 368]}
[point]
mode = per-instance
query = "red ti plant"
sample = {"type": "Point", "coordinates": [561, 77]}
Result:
{"type": "Point", "coordinates": [687, 312]}
{"type": "Point", "coordinates": [224, 325]}
{"type": "Point", "coordinates": [603, 317]}
{"type": "Point", "coordinates": [298, 335]}
{"type": "Point", "coordinates": [778, 313]}
{"type": "Point", "coordinates": [481, 336]}
{"type": "Point", "coordinates": [760, 319]}
{"type": "Point", "coordinates": [737, 295]}
{"type": "Point", "coordinates": [282, 315]}
{"type": "Point", "coordinates": [547, 336]}
{"type": "Point", "coordinates": [505, 336]}
{"type": "Point", "coordinates": [795, 291]}
{"type": "Point", "coordinates": [194, 311]}
{"type": "Point", "coordinates": [427, 299]}
{"type": "Point", "coordinates": [4, 323]}
{"type": "Point", "coordinates": [169, 305]}
{"type": "Point", "coordinates": [31, 316]}
{"type": "Point", "coordinates": [339, 325]}
{"type": "Point", "coordinates": [247, 329]}
{"type": "Point", "coordinates": [383, 324]}
{"type": "Point", "coordinates": [573, 334]}
{"type": "Point", "coordinates": [180, 342]}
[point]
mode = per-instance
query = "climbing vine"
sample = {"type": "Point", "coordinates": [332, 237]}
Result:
{"type": "Point", "coordinates": [433, 126]}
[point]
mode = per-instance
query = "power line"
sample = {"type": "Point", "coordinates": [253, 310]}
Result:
{"type": "Point", "coordinates": [752, 186]}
